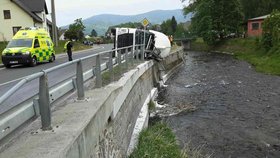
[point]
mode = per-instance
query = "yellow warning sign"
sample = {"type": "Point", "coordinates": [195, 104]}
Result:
{"type": "Point", "coordinates": [145, 22]}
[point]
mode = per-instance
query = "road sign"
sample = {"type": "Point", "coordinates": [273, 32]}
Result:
{"type": "Point", "coordinates": [145, 22]}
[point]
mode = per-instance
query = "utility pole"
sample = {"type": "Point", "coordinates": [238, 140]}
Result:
{"type": "Point", "coordinates": [54, 30]}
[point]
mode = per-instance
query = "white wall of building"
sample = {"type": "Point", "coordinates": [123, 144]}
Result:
{"type": "Point", "coordinates": [18, 18]}
{"type": "Point", "coordinates": [44, 25]}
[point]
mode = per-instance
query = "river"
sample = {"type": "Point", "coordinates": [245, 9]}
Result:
{"type": "Point", "coordinates": [223, 107]}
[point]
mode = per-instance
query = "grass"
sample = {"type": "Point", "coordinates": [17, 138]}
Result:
{"type": "Point", "coordinates": [266, 63]}
{"type": "Point", "coordinates": [158, 141]}
{"type": "Point", "coordinates": [199, 45]}
{"type": "Point", "coordinates": [77, 46]}
{"type": "Point", "coordinates": [117, 73]}
{"type": "Point", "coordinates": [247, 49]}
{"type": "Point", "coordinates": [59, 49]}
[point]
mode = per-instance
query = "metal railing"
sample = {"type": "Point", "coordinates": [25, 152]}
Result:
{"type": "Point", "coordinates": [10, 120]}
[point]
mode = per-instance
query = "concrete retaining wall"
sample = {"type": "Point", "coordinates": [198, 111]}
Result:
{"type": "Point", "coordinates": [100, 126]}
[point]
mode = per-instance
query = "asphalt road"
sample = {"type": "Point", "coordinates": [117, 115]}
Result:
{"type": "Point", "coordinates": [19, 71]}
{"type": "Point", "coordinates": [9, 77]}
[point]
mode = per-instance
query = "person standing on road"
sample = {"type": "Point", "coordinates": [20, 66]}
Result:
{"type": "Point", "coordinates": [68, 46]}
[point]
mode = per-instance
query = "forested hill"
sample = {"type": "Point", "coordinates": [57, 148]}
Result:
{"type": "Point", "coordinates": [101, 22]}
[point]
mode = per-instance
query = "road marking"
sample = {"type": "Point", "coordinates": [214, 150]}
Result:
{"type": "Point", "coordinates": [12, 67]}
{"type": "Point", "coordinates": [79, 52]}
{"type": "Point", "coordinates": [2, 84]}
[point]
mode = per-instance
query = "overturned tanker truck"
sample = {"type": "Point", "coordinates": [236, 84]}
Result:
{"type": "Point", "coordinates": [157, 44]}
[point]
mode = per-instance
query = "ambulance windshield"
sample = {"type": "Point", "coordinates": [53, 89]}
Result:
{"type": "Point", "coordinates": [20, 43]}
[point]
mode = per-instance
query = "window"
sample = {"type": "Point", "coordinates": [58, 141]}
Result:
{"type": "Point", "coordinates": [20, 43]}
{"type": "Point", "coordinates": [36, 43]}
{"type": "Point", "coordinates": [48, 44]}
{"type": "Point", "coordinates": [7, 14]}
{"type": "Point", "coordinates": [16, 29]}
{"type": "Point", "coordinates": [255, 26]}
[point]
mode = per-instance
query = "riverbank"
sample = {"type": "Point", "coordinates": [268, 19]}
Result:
{"type": "Point", "coordinates": [246, 49]}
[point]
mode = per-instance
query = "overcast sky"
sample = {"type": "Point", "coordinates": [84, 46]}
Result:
{"type": "Point", "coordinates": [69, 10]}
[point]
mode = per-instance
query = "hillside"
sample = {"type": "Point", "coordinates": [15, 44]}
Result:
{"type": "Point", "coordinates": [101, 22]}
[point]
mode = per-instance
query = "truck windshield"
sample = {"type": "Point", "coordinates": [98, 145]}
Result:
{"type": "Point", "coordinates": [20, 43]}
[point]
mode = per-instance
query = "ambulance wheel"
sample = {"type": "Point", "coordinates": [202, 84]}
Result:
{"type": "Point", "coordinates": [7, 65]}
{"type": "Point", "coordinates": [33, 61]}
{"type": "Point", "coordinates": [52, 58]}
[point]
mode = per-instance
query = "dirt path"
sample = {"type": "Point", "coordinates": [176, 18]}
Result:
{"type": "Point", "coordinates": [226, 108]}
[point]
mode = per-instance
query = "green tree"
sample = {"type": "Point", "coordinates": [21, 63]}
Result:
{"type": "Point", "coordinates": [173, 24]}
{"type": "Point", "coordinates": [271, 30]}
{"type": "Point", "coordinates": [255, 8]}
{"type": "Point", "coordinates": [181, 32]}
{"type": "Point", "coordinates": [169, 26]}
{"type": "Point", "coordinates": [75, 30]}
{"type": "Point", "coordinates": [166, 27]}
{"type": "Point", "coordinates": [156, 27]}
{"type": "Point", "coordinates": [93, 33]}
{"type": "Point", "coordinates": [215, 19]}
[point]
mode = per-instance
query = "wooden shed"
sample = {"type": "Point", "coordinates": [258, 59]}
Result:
{"type": "Point", "coordinates": [255, 26]}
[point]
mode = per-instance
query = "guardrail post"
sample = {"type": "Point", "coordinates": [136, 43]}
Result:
{"type": "Point", "coordinates": [119, 57]}
{"type": "Point", "coordinates": [110, 66]}
{"type": "Point", "coordinates": [44, 103]}
{"type": "Point", "coordinates": [140, 52]}
{"type": "Point", "coordinates": [137, 52]}
{"type": "Point", "coordinates": [126, 59]}
{"type": "Point", "coordinates": [143, 53]}
{"type": "Point", "coordinates": [132, 55]}
{"type": "Point", "coordinates": [98, 72]}
{"type": "Point", "coordinates": [80, 80]}
{"type": "Point", "coordinates": [133, 52]}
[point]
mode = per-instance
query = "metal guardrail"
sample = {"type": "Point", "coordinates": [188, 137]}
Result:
{"type": "Point", "coordinates": [184, 39]}
{"type": "Point", "coordinates": [15, 117]}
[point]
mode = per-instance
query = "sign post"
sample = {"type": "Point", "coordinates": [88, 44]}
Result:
{"type": "Point", "coordinates": [145, 23]}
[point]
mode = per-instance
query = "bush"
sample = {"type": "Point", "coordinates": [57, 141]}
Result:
{"type": "Point", "coordinates": [271, 30]}
{"type": "Point", "coordinates": [267, 41]}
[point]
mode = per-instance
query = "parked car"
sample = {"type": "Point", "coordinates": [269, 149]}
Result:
{"type": "Point", "coordinates": [88, 43]}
